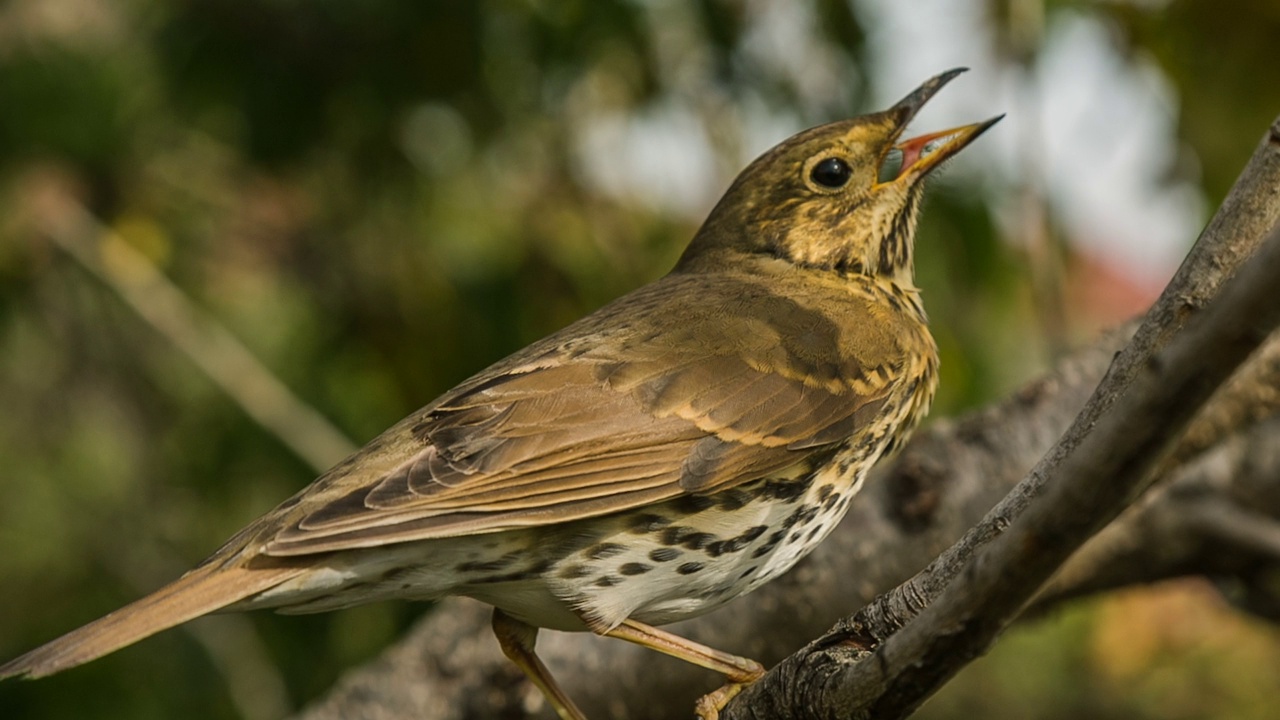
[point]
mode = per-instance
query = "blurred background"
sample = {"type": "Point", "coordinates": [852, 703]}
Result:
{"type": "Point", "coordinates": [238, 238]}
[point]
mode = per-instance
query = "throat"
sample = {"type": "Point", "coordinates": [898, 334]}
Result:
{"type": "Point", "coordinates": [819, 254]}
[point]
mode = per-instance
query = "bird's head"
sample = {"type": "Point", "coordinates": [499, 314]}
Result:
{"type": "Point", "coordinates": [824, 198]}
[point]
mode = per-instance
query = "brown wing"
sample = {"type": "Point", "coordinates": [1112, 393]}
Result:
{"type": "Point", "coordinates": [575, 435]}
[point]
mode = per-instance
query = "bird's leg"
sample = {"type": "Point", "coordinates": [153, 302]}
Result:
{"type": "Point", "coordinates": [517, 641]}
{"type": "Point", "coordinates": [739, 671]}
{"type": "Point", "coordinates": [736, 669]}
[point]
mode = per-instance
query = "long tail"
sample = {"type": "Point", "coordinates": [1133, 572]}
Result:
{"type": "Point", "coordinates": [197, 593]}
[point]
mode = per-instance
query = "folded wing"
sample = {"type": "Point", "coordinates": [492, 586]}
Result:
{"type": "Point", "coordinates": [570, 435]}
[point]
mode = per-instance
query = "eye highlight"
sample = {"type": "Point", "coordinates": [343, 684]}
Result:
{"type": "Point", "coordinates": [831, 173]}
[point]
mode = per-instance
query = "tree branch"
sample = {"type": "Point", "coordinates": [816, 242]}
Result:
{"type": "Point", "coordinates": [194, 332]}
{"type": "Point", "coordinates": [1217, 516]}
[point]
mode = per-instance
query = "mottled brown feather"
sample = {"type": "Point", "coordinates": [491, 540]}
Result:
{"type": "Point", "coordinates": [639, 412]}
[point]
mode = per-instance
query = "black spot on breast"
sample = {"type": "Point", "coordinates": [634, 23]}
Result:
{"type": "Point", "coordinates": [801, 516]}
{"type": "Point", "coordinates": [734, 499]}
{"type": "Point", "coordinates": [664, 554]}
{"type": "Point", "coordinates": [748, 572]}
{"type": "Point", "coordinates": [697, 541]}
{"type": "Point", "coordinates": [736, 543]}
{"type": "Point", "coordinates": [604, 551]}
{"type": "Point", "coordinates": [692, 504]}
{"type": "Point", "coordinates": [785, 490]}
{"type": "Point", "coordinates": [769, 544]}
{"type": "Point", "coordinates": [573, 572]}
{"type": "Point", "coordinates": [830, 501]}
{"type": "Point", "coordinates": [645, 523]}
{"type": "Point", "coordinates": [825, 491]}
{"type": "Point", "coordinates": [689, 568]}
{"type": "Point", "coordinates": [607, 581]}
{"type": "Point", "coordinates": [634, 568]}
{"type": "Point", "coordinates": [686, 536]}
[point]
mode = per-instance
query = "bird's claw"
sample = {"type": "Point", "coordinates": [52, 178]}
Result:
{"type": "Point", "coordinates": [709, 706]}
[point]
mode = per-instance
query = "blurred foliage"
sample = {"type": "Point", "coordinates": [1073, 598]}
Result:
{"type": "Point", "coordinates": [379, 198]}
{"type": "Point", "coordinates": [1221, 56]}
{"type": "Point", "coordinates": [1175, 652]}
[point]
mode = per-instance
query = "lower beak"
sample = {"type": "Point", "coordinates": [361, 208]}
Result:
{"type": "Point", "coordinates": [922, 154]}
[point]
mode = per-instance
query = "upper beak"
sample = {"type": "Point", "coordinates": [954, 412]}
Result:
{"type": "Point", "coordinates": [925, 152]}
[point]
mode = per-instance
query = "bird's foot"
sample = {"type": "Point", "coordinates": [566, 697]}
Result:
{"type": "Point", "coordinates": [709, 706]}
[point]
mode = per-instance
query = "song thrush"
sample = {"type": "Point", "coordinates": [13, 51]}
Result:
{"type": "Point", "coordinates": [650, 462]}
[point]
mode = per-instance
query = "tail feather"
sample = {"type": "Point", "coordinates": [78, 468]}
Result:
{"type": "Point", "coordinates": [197, 593]}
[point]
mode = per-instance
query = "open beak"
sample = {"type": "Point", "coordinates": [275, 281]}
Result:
{"type": "Point", "coordinates": [921, 154]}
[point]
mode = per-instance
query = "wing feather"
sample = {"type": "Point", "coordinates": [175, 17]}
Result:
{"type": "Point", "coordinates": [552, 435]}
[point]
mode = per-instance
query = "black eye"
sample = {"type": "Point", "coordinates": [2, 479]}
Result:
{"type": "Point", "coordinates": [832, 173]}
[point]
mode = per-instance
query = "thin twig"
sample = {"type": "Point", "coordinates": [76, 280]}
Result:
{"type": "Point", "coordinates": [199, 336]}
{"type": "Point", "coordinates": [256, 688]}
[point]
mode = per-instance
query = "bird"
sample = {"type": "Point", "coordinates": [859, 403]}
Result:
{"type": "Point", "coordinates": [673, 450]}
